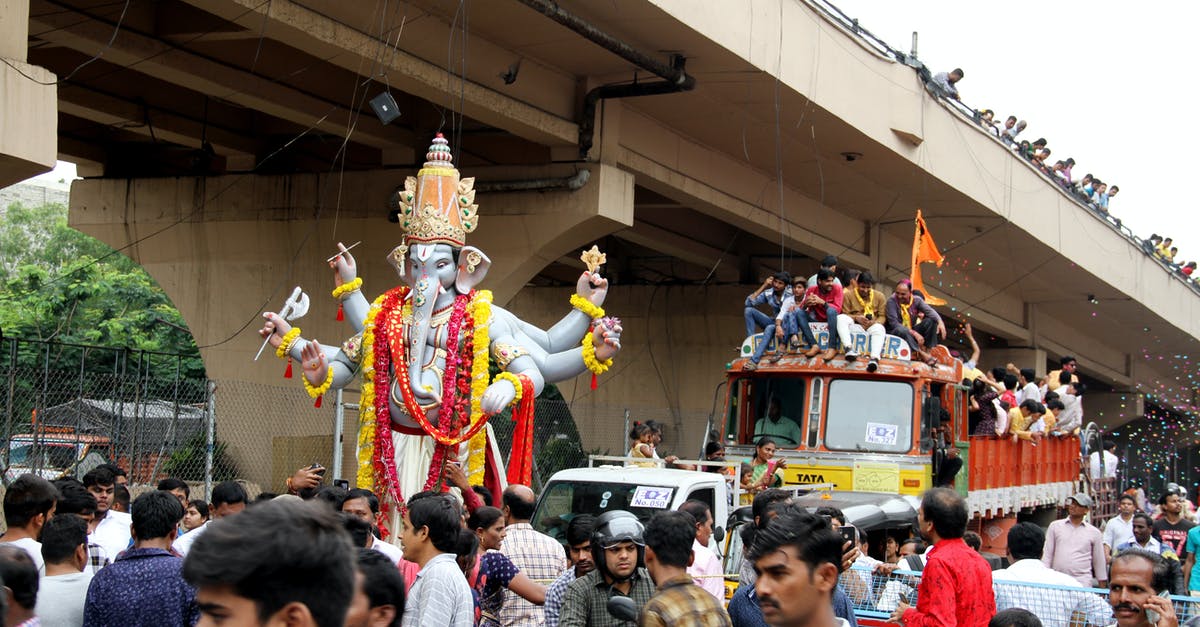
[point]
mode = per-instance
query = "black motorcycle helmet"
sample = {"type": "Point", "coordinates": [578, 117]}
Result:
{"type": "Point", "coordinates": [613, 528]}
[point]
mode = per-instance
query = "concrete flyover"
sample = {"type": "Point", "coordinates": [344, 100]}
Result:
{"type": "Point", "coordinates": [228, 144]}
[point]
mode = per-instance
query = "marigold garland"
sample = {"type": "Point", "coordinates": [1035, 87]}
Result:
{"type": "Point", "coordinates": [595, 312]}
{"type": "Point", "coordinates": [346, 288]}
{"type": "Point", "coordinates": [314, 392]}
{"type": "Point", "coordinates": [589, 357]}
{"type": "Point", "coordinates": [285, 343]}
{"type": "Point", "coordinates": [516, 383]}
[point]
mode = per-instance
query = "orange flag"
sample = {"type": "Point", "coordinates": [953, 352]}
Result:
{"type": "Point", "coordinates": [924, 251]}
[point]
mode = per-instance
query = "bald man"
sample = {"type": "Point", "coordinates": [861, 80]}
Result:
{"type": "Point", "coordinates": [537, 555]}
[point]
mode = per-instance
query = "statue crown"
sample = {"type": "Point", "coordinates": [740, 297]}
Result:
{"type": "Point", "coordinates": [436, 207]}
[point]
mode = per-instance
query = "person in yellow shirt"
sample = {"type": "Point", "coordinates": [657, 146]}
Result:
{"type": "Point", "coordinates": [1021, 417]}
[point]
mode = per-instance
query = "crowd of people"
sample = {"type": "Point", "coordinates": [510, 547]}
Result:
{"type": "Point", "coordinates": [795, 302]}
{"type": "Point", "coordinates": [314, 556]}
{"type": "Point", "coordinates": [1088, 189]}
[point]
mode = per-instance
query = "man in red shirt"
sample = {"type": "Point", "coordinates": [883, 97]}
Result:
{"type": "Point", "coordinates": [956, 585]}
{"type": "Point", "coordinates": [820, 303]}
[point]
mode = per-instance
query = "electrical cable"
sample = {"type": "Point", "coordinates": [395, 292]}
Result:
{"type": "Point", "coordinates": [93, 59]}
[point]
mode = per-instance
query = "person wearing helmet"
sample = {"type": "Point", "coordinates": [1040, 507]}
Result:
{"type": "Point", "coordinates": [617, 547]}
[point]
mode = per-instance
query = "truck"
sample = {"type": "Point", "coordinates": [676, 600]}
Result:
{"type": "Point", "coordinates": [885, 433]}
{"type": "Point", "coordinates": [53, 454]}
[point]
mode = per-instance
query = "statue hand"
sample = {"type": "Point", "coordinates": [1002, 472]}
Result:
{"type": "Point", "coordinates": [312, 358]}
{"type": "Point", "coordinates": [607, 338]}
{"type": "Point", "coordinates": [274, 328]}
{"type": "Point", "coordinates": [497, 396]}
{"type": "Point", "coordinates": [344, 268]}
{"type": "Point", "coordinates": [593, 287]}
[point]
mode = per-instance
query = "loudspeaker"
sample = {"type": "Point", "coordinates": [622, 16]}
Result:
{"type": "Point", "coordinates": [385, 107]}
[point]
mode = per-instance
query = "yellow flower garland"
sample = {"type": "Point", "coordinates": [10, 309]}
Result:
{"type": "Point", "coordinates": [314, 392]}
{"type": "Point", "coordinates": [366, 413]}
{"type": "Point", "coordinates": [346, 288]}
{"type": "Point", "coordinates": [516, 383]}
{"type": "Point", "coordinates": [285, 344]}
{"type": "Point", "coordinates": [589, 357]}
{"type": "Point", "coordinates": [477, 457]}
{"type": "Point", "coordinates": [595, 312]}
{"type": "Point", "coordinates": [481, 316]}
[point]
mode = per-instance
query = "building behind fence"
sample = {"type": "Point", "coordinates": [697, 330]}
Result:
{"type": "Point", "coordinates": [67, 408]}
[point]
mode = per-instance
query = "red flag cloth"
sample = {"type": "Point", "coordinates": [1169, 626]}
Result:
{"type": "Point", "coordinates": [520, 463]}
{"type": "Point", "coordinates": [924, 250]}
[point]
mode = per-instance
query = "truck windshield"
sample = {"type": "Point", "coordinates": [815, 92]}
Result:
{"type": "Point", "coordinates": [48, 455]}
{"type": "Point", "coordinates": [563, 500]}
{"type": "Point", "coordinates": [871, 416]}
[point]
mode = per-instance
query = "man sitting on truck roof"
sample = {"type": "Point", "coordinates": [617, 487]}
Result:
{"type": "Point", "coordinates": [864, 310]}
{"type": "Point", "coordinates": [821, 303]}
{"type": "Point", "coordinates": [778, 426]}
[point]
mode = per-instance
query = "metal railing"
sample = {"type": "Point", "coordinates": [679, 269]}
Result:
{"type": "Point", "coordinates": [876, 595]}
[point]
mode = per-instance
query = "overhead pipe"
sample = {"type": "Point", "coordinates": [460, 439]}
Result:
{"type": "Point", "coordinates": [571, 183]}
{"type": "Point", "coordinates": [675, 79]}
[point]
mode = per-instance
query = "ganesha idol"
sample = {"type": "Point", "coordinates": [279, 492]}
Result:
{"type": "Point", "coordinates": [423, 347]}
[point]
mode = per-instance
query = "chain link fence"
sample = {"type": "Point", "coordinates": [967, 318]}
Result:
{"type": "Point", "coordinates": [68, 408]}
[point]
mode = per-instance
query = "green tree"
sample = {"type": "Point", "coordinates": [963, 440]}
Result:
{"type": "Point", "coordinates": [57, 283]}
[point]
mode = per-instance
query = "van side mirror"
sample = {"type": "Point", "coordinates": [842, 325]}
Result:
{"type": "Point", "coordinates": [933, 412]}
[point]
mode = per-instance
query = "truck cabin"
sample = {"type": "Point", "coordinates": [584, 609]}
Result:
{"type": "Point", "coordinates": [846, 410]}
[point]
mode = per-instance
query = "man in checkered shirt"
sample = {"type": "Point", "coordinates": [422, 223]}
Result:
{"type": "Point", "coordinates": [75, 499]}
{"type": "Point", "coordinates": [539, 556]}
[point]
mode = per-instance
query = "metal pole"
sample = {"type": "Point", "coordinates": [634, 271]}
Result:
{"type": "Point", "coordinates": [913, 54]}
{"type": "Point", "coordinates": [210, 436]}
{"type": "Point", "coordinates": [8, 406]}
{"type": "Point", "coordinates": [625, 444]}
{"type": "Point", "coordinates": [339, 416]}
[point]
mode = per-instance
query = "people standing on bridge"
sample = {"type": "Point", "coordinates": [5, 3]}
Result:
{"type": "Point", "coordinates": [777, 426]}
{"type": "Point", "coordinates": [820, 303]}
{"type": "Point", "coordinates": [768, 473]}
{"type": "Point", "coordinates": [945, 83]}
{"type": "Point", "coordinates": [678, 600]}
{"type": "Point", "coordinates": [1119, 529]}
{"type": "Point", "coordinates": [772, 293]}
{"type": "Point", "coordinates": [1143, 540]}
{"type": "Point", "coordinates": [864, 310]}
{"type": "Point", "coordinates": [903, 309]}
{"type": "Point", "coordinates": [1025, 544]}
{"type": "Point", "coordinates": [1172, 528]}
{"type": "Point", "coordinates": [1074, 546]}
{"type": "Point", "coordinates": [956, 584]}
{"type": "Point", "coordinates": [1136, 579]}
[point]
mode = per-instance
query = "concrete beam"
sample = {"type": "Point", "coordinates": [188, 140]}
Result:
{"type": "Point", "coordinates": [306, 29]}
{"type": "Point", "coordinates": [28, 117]}
{"type": "Point", "coordinates": [107, 109]}
{"type": "Point", "coordinates": [681, 247]}
{"type": "Point", "coordinates": [170, 63]}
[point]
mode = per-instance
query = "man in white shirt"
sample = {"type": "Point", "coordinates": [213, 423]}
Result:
{"type": "Point", "coordinates": [364, 505]}
{"type": "Point", "coordinates": [1029, 388]}
{"type": "Point", "coordinates": [1119, 529]}
{"type": "Point", "coordinates": [63, 590]}
{"type": "Point", "coordinates": [228, 498]}
{"type": "Point", "coordinates": [1054, 607]}
{"type": "Point", "coordinates": [109, 528]}
{"type": "Point", "coordinates": [1107, 457]}
{"type": "Point", "coordinates": [706, 567]}
{"type": "Point", "coordinates": [28, 504]}
{"type": "Point", "coordinates": [1071, 417]}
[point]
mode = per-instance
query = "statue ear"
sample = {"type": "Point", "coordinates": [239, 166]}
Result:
{"type": "Point", "coordinates": [472, 267]}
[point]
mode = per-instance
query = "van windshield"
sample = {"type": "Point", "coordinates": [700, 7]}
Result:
{"type": "Point", "coordinates": [873, 416]}
{"type": "Point", "coordinates": [563, 500]}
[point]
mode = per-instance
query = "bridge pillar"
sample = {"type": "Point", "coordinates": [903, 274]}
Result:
{"type": "Point", "coordinates": [29, 113]}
